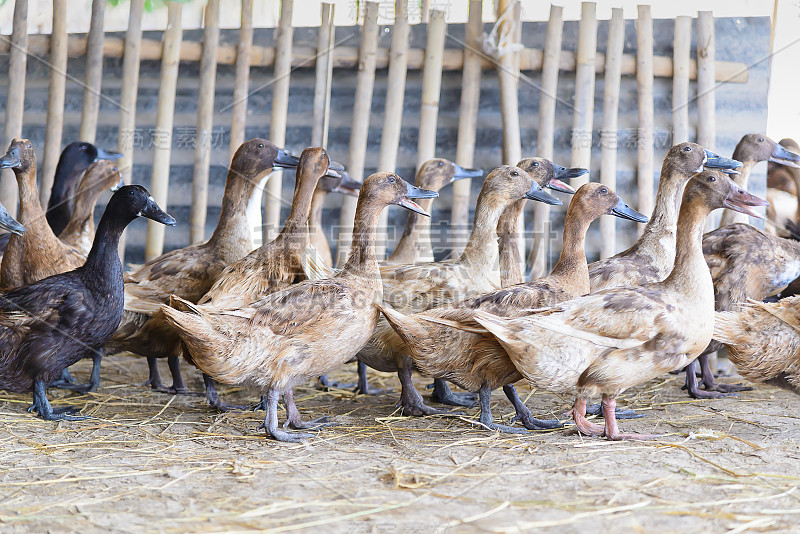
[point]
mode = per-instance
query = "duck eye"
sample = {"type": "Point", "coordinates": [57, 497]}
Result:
{"type": "Point", "coordinates": [760, 139]}
{"type": "Point", "coordinates": [441, 163]}
{"type": "Point", "coordinates": [260, 145]}
{"type": "Point", "coordinates": [514, 173]}
{"type": "Point", "coordinates": [687, 149]}
{"type": "Point", "coordinates": [392, 180]}
{"type": "Point", "coordinates": [535, 163]}
{"type": "Point", "coordinates": [712, 178]}
{"type": "Point", "coordinates": [603, 191]}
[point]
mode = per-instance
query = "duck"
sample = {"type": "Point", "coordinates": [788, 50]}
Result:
{"type": "Point", "coordinates": [784, 178]}
{"type": "Point", "coordinates": [345, 185]}
{"type": "Point", "coordinates": [475, 361]}
{"type": "Point", "coordinates": [763, 341]}
{"type": "Point", "coordinates": [50, 324]}
{"type": "Point", "coordinates": [415, 245]}
{"type": "Point", "coordinates": [782, 187]}
{"type": "Point", "coordinates": [37, 253]}
{"type": "Point", "coordinates": [418, 287]}
{"type": "Point", "coordinates": [305, 330]}
{"type": "Point", "coordinates": [617, 338]}
{"type": "Point", "coordinates": [191, 271]}
{"type": "Point", "coordinates": [102, 175]}
{"type": "Point", "coordinates": [7, 222]}
{"type": "Point", "coordinates": [508, 226]}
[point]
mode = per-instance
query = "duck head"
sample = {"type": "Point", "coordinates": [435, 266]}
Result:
{"type": "Point", "coordinates": [436, 173]}
{"type": "Point", "coordinates": [508, 183]}
{"type": "Point", "coordinates": [133, 201]}
{"type": "Point", "coordinates": [548, 174]}
{"type": "Point", "coordinates": [104, 174]}
{"type": "Point", "coordinates": [758, 147]}
{"type": "Point", "coordinates": [717, 190]}
{"type": "Point", "coordinates": [385, 188]}
{"type": "Point", "coordinates": [7, 222]}
{"type": "Point", "coordinates": [346, 184]}
{"type": "Point", "coordinates": [686, 159]}
{"type": "Point", "coordinates": [258, 156]}
{"type": "Point", "coordinates": [19, 156]}
{"type": "Point", "coordinates": [594, 199]}
{"type": "Point", "coordinates": [78, 156]}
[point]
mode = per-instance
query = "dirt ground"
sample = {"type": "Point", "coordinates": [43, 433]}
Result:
{"type": "Point", "coordinates": [149, 462]}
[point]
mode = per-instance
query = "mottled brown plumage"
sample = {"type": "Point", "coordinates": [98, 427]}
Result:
{"type": "Point", "coordinates": [781, 177]}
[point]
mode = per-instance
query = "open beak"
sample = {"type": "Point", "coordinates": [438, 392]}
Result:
{"type": "Point", "coordinates": [154, 212]}
{"type": "Point", "coordinates": [8, 222]}
{"type": "Point", "coordinates": [412, 191]}
{"type": "Point", "coordinates": [623, 211]}
{"type": "Point", "coordinates": [116, 187]}
{"type": "Point", "coordinates": [286, 160]}
{"type": "Point", "coordinates": [537, 193]}
{"type": "Point", "coordinates": [10, 159]}
{"type": "Point", "coordinates": [347, 185]}
{"type": "Point", "coordinates": [107, 154]}
{"type": "Point", "coordinates": [461, 173]}
{"type": "Point", "coordinates": [730, 172]}
{"type": "Point", "coordinates": [715, 161]}
{"type": "Point", "coordinates": [335, 169]}
{"type": "Point", "coordinates": [739, 200]}
{"type": "Point", "coordinates": [785, 157]}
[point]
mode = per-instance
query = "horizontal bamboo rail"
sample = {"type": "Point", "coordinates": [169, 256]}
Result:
{"type": "Point", "coordinates": [347, 57]}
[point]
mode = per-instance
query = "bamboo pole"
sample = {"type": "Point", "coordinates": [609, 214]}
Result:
{"type": "Point", "coordinates": [205, 123]}
{"type": "Point", "coordinates": [344, 57]}
{"type": "Point", "coordinates": [127, 99]}
{"type": "Point", "coordinates": [584, 91]}
{"type": "Point", "coordinates": [280, 112]}
{"type": "Point", "coordinates": [94, 73]}
{"type": "Point", "coordinates": [467, 127]}
{"type": "Point", "coordinates": [241, 84]}
{"type": "Point", "coordinates": [320, 122]}
{"type": "Point", "coordinates": [55, 100]}
{"type": "Point", "coordinates": [609, 139]}
{"type": "Point", "coordinates": [162, 142]}
{"type": "Point", "coordinates": [393, 113]}
{"type": "Point", "coordinates": [15, 102]}
{"type": "Point", "coordinates": [680, 79]}
{"type": "Point", "coordinates": [359, 129]}
{"type": "Point", "coordinates": [540, 250]}
{"type": "Point", "coordinates": [644, 90]}
{"type": "Point", "coordinates": [706, 100]}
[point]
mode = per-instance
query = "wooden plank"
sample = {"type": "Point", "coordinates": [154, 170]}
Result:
{"type": "Point", "coordinates": [94, 73]}
{"type": "Point", "coordinates": [706, 98]}
{"type": "Point", "coordinates": [540, 250]}
{"type": "Point", "coordinates": [320, 122]}
{"type": "Point", "coordinates": [15, 102]}
{"type": "Point", "coordinates": [467, 127]}
{"type": "Point", "coordinates": [680, 79]}
{"type": "Point", "coordinates": [277, 126]}
{"type": "Point", "coordinates": [359, 130]}
{"type": "Point", "coordinates": [393, 113]}
{"type": "Point", "coordinates": [241, 86]}
{"type": "Point", "coordinates": [584, 91]}
{"type": "Point", "coordinates": [162, 142]}
{"type": "Point", "coordinates": [55, 100]}
{"type": "Point", "coordinates": [609, 138]}
{"type": "Point", "coordinates": [644, 91]}
{"type": "Point", "coordinates": [431, 87]}
{"type": "Point", "coordinates": [205, 123]}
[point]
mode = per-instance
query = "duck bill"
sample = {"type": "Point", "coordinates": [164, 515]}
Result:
{"type": "Point", "coordinates": [10, 159]}
{"type": "Point", "coordinates": [153, 212]}
{"type": "Point", "coordinates": [623, 211]}
{"type": "Point", "coordinates": [119, 184]}
{"type": "Point", "coordinates": [7, 222]}
{"type": "Point", "coordinates": [348, 185]}
{"type": "Point", "coordinates": [286, 160]}
{"type": "Point", "coordinates": [740, 200]}
{"type": "Point", "coordinates": [564, 173]}
{"type": "Point", "coordinates": [537, 193]}
{"type": "Point", "coordinates": [462, 173]}
{"type": "Point", "coordinates": [715, 161]}
{"type": "Point", "coordinates": [335, 169]}
{"type": "Point", "coordinates": [412, 192]}
{"type": "Point", "coordinates": [107, 154]}
{"type": "Point", "coordinates": [730, 172]}
{"type": "Point", "coordinates": [557, 185]}
{"type": "Point", "coordinates": [785, 157]}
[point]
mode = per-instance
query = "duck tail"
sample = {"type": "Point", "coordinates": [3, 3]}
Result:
{"type": "Point", "coordinates": [497, 326]}
{"type": "Point", "coordinates": [183, 305]}
{"type": "Point", "coordinates": [454, 324]}
{"type": "Point", "coordinates": [410, 329]}
{"type": "Point", "coordinates": [727, 327]}
{"type": "Point", "coordinates": [198, 334]}
{"type": "Point", "coordinates": [313, 265]}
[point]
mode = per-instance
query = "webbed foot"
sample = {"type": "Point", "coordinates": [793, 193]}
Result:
{"type": "Point", "coordinates": [444, 395]}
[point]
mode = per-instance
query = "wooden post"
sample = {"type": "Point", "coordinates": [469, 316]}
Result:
{"type": "Point", "coordinates": [127, 100]}
{"type": "Point", "coordinates": [162, 136]}
{"type": "Point", "coordinates": [467, 127]}
{"type": "Point", "coordinates": [55, 100]}
{"type": "Point", "coordinates": [608, 136]}
{"type": "Point", "coordinates": [205, 122]}
{"type": "Point", "coordinates": [584, 91]}
{"type": "Point", "coordinates": [241, 84]}
{"type": "Point", "coordinates": [540, 250]}
{"type": "Point", "coordinates": [359, 129]}
{"type": "Point", "coordinates": [15, 102]}
{"type": "Point", "coordinates": [706, 99]}
{"type": "Point", "coordinates": [94, 73]}
{"type": "Point", "coordinates": [393, 113]}
{"type": "Point", "coordinates": [280, 111]}
{"type": "Point", "coordinates": [681, 50]}
{"type": "Point", "coordinates": [324, 74]}
{"type": "Point", "coordinates": [644, 90]}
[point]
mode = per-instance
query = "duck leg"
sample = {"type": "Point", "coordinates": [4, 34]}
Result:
{"type": "Point", "coordinates": [326, 382]}
{"type": "Point", "coordinates": [612, 430]}
{"type": "Point", "coordinates": [213, 400]}
{"type": "Point", "coordinates": [154, 380]}
{"type": "Point", "coordinates": [524, 414]}
{"type": "Point", "coordinates": [66, 382]}
{"type": "Point", "coordinates": [712, 385]}
{"type": "Point", "coordinates": [294, 419]}
{"type": "Point", "coordinates": [485, 420]}
{"type": "Point", "coordinates": [42, 406]}
{"type": "Point", "coordinates": [597, 409]}
{"type": "Point", "coordinates": [411, 402]}
{"type": "Point", "coordinates": [694, 390]}
{"type": "Point", "coordinates": [270, 424]}
{"type": "Point", "coordinates": [444, 395]}
{"type": "Point", "coordinates": [579, 416]}
{"type": "Point", "coordinates": [363, 387]}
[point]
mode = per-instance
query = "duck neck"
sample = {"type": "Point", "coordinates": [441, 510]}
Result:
{"type": "Point", "coordinates": [659, 234]}
{"type": "Point", "coordinates": [31, 215]}
{"type": "Point", "coordinates": [362, 261]}
{"type": "Point", "coordinates": [482, 249]}
{"type": "Point", "coordinates": [300, 212]}
{"type": "Point", "coordinates": [508, 241]}
{"type": "Point", "coordinates": [691, 273]}
{"type": "Point", "coordinates": [415, 243]}
{"type": "Point", "coordinates": [730, 216]}
{"type": "Point", "coordinates": [233, 226]}
{"type": "Point", "coordinates": [315, 216]}
{"type": "Point", "coordinates": [572, 270]}
{"type": "Point", "coordinates": [103, 263]}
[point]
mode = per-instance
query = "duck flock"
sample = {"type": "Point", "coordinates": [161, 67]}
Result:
{"type": "Point", "coordinates": [280, 315]}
